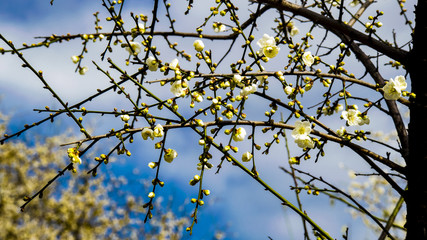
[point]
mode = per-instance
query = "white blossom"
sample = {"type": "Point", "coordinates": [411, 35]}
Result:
{"type": "Point", "coordinates": [300, 133]}
{"type": "Point", "coordinates": [170, 155]}
{"type": "Point", "coordinates": [198, 45]}
{"type": "Point", "coordinates": [179, 88]}
{"type": "Point", "coordinates": [304, 142]}
{"type": "Point", "coordinates": [173, 64]}
{"type": "Point", "coordinates": [393, 89]}
{"type": "Point", "coordinates": [341, 131]}
{"type": "Point", "coordinates": [125, 117]}
{"type": "Point", "coordinates": [248, 90]}
{"type": "Point", "coordinates": [75, 59]}
{"type": "Point", "coordinates": [147, 133]}
{"type": "Point", "coordinates": [83, 70]}
{"type": "Point", "coordinates": [268, 46]}
{"type": "Point", "coordinates": [197, 96]}
{"type": "Point", "coordinates": [308, 59]}
{"type": "Point", "coordinates": [239, 134]}
{"type": "Point", "coordinates": [219, 27]}
{"type": "Point", "coordinates": [292, 29]}
{"type": "Point", "coordinates": [152, 63]}
{"type": "Point", "coordinates": [289, 90]}
{"type": "Point", "coordinates": [302, 129]}
{"type": "Point", "coordinates": [158, 131]}
{"type": "Point", "coordinates": [247, 156]}
{"type": "Point", "coordinates": [354, 117]}
{"type": "Point", "coordinates": [135, 48]}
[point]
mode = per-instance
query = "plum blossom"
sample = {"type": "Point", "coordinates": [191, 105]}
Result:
{"type": "Point", "coordinates": [305, 142]}
{"type": "Point", "coordinates": [289, 90]}
{"type": "Point", "coordinates": [179, 88]}
{"type": "Point", "coordinates": [237, 78]}
{"type": "Point", "coordinates": [354, 117]}
{"type": "Point", "coordinates": [341, 131]}
{"type": "Point", "coordinates": [173, 64]}
{"type": "Point", "coordinates": [393, 89]}
{"type": "Point", "coordinates": [247, 156]}
{"type": "Point", "coordinates": [73, 154]}
{"type": "Point", "coordinates": [292, 29]}
{"type": "Point", "coordinates": [83, 70]}
{"type": "Point", "coordinates": [302, 128]}
{"type": "Point", "coordinates": [147, 133]}
{"type": "Point", "coordinates": [198, 45]}
{"type": "Point", "coordinates": [218, 27]}
{"type": "Point", "coordinates": [268, 46]}
{"type": "Point", "coordinates": [75, 59]}
{"type": "Point", "coordinates": [152, 63]}
{"type": "Point", "coordinates": [158, 131]}
{"type": "Point", "coordinates": [170, 155]}
{"type": "Point", "coordinates": [134, 49]}
{"type": "Point", "coordinates": [125, 117]}
{"type": "Point", "coordinates": [354, 3]}
{"type": "Point", "coordinates": [308, 59]}
{"type": "Point", "coordinates": [248, 90]}
{"type": "Point", "coordinates": [239, 134]}
{"type": "Point", "coordinates": [197, 96]}
{"type": "Point", "coordinates": [300, 134]}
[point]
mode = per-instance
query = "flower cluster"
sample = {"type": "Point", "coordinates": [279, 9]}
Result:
{"type": "Point", "coordinates": [300, 134]}
{"type": "Point", "coordinates": [393, 89]}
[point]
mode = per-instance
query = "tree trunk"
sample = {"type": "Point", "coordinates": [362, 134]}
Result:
{"type": "Point", "coordinates": [416, 198]}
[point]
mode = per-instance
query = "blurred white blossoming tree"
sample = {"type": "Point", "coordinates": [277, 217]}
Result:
{"type": "Point", "coordinates": [80, 208]}
{"type": "Point", "coordinates": [249, 71]}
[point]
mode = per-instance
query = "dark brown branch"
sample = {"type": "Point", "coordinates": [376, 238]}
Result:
{"type": "Point", "coordinates": [339, 28]}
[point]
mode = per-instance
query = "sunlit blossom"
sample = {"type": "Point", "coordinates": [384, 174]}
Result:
{"type": "Point", "coordinates": [197, 96]}
{"type": "Point", "coordinates": [354, 117]}
{"type": "Point", "coordinates": [152, 63]}
{"type": "Point", "coordinates": [125, 117]}
{"type": "Point", "coordinates": [174, 64]}
{"type": "Point", "coordinates": [239, 134]}
{"type": "Point", "coordinates": [199, 45]}
{"type": "Point", "coordinates": [158, 131]}
{"type": "Point", "coordinates": [289, 90]}
{"type": "Point", "coordinates": [218, 27]}
{"type": "Point", "coordinates": [393, 89]}
{"type": "Point", "coordinates": [308, 59]}
{"type": "Point", "coordinates": [147, 133]}
{"type": "Point", "coordinates": [305, 142]}
{"type": "Point", "coordinates": [134, 49]}
{"type": "Point", "coordinates": [75, 59]}
{"type": "Point", "coordinates": [179, 88]}
{"type": "Point", "coordinates": [248, 90]}
{"type": "Point", "coordinates": [341, 131]}
{"type": "Point", "coordinates": [73, 154]}
{"type": "Point", "coordinates": [302, 129]}
{"type": "Point", "coordinates": [170, 155]}
{"type": "Point", "coordinates": [268, 46]}
{"type": "Point", "coordinates": [83, 70]}
{"type": "Point", "coordinates": [247, 156]}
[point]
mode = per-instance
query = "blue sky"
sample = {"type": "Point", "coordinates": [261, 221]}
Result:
{"type": "Point", "coordinates": [237, 204]}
